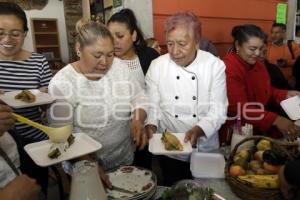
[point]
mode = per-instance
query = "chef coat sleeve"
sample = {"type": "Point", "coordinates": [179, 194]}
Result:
{"type": "Point", "coordinates": [217, 112]}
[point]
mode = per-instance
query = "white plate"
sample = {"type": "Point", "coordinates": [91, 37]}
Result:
{"type": "Point", "coordinates": [291, 106]}
{"type": "Point", "coordinates": [82, 145]}
{"type": "Point", "coordinates": [41, 99]}
{"type": "Point", "coordinates": [133, 179]}
{"type": "Point", "coordinates": [156, 146]}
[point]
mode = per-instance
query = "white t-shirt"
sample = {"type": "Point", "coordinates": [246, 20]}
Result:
{"type": "Point", "coordinates": [136, 71]}
{"type": "Point", "coordinates": [8, 144]}
{"type": "Point", "coordinates": [102, 109]}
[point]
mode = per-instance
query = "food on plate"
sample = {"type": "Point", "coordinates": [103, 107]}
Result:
{"type": "Point", "coordinates": [26, 96]}
{"type": "Point", "coordinates": [260, 181]}
{"type": "Point", "coordinates": [57, 149]}
{"type": "Point", "coordinates": [171, 142]}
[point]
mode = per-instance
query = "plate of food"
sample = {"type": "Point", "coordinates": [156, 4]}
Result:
{"type": "Point", "coordinates": [46, 153]}
{"type": "Point", "coordinates": [26, 98]}
{"type": "Point", "coordinates": [190, 189]}
{"type": "Point", "coordinates": [169, 144]}
{"type": "Point", "coordinates": [130, 182]}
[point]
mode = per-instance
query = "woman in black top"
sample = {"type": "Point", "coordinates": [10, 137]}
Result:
{"type": "Point", "coordinates": [130, 47]}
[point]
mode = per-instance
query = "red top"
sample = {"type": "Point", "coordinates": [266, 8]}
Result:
{"type": "Point", "coordinates": [249, 90]}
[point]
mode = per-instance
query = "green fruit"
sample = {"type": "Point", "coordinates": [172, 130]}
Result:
{"type": "Point", "coordinates": [263, 145]}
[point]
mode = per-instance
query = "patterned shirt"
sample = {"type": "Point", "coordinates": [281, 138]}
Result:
{"type": "Point", "coordinates": [31, 73]}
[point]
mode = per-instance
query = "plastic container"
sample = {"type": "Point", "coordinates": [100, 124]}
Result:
{"type": "Point", "coordinates": [291, 106]}
{"type": "Point", "coordinates": [207, 165]}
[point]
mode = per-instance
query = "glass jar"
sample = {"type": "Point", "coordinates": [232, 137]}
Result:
{"type": "Point", "coordinates": [86, 183]}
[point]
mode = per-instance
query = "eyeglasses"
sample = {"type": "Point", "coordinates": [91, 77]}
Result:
{"type": "Point", "coordinates": [13, 34]}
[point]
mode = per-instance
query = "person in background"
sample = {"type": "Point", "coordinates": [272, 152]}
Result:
{"type": "Point", "coordinates": [280, 54]}
{"type": "Point", "coordinates": [187, 93]}
{"type": "Point", "coordinates": [131, 48]}
{"type": "Point", "coordinates": [277, 79]}
{"type": "Point", "coordinates": [289, 179]}
{"type": "Point", "coordinates": [12, 187]}
{"type": "Point", "coordinates": [98, 95]}
{"type": "Point", "coordinates": [249, 88]}
{"type": "Point", "coordinates": [153, 43]}
{"type": "Point", "coordinates": [297, 35]}
{"type": "Point", "coordinates": [207, 45]}
{"type": "Point", "coordinates": [20, 70]}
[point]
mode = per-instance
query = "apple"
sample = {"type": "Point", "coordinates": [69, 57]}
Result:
{"type": "Point", "coordinates": [263, 145]}
{"type": "Point", "coordinates": [271, 168]}
{"type": "Point", "coordinates": [258, 155]}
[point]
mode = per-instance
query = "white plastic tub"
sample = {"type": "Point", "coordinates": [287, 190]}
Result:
{"type": "Point", "coordinates": [207, 165]}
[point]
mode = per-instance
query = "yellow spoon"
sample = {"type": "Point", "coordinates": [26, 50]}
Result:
{"type": "Point", "coordinates": [56, 135]}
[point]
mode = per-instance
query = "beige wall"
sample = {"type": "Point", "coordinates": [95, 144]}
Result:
{"type": "Point", "coordinates": [54, 9]}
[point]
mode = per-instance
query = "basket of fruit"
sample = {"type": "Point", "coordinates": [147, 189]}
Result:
{"type": "Point", "coordinates": [253, 173]}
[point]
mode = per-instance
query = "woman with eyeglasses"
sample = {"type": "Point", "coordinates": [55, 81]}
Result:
{"type": "Point", "coordinates": [20, 70]}
{"type": "Point", "coordinates": [249, 87]}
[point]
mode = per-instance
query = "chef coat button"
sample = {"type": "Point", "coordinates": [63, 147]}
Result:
{"type": "Point", "coordinates": [176, 97]}
{"type": "Point", "coordinates": [178, 77]}
{"type": "Point", "coordinates": [194, 115]}
{"type": "Point", "coordinates": [193, 77]}
{"type": "Point", "coordinates": [176, 116]}
{"type": "Point", "coordinates": [194, 98]}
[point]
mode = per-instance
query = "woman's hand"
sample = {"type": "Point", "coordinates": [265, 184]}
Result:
{"type": "Point", "coordinates": [150, 130]}
{"type": "Point", "coordinates": [292, 93]}
{"type": "Point", "coordinates": [193, 134]}
{"type": "Point", "coordinates": [138, 133]}
{"type": "Point", "coordinates": [104, 177]}
{"type": "Point", "coordinates": [6, 118]}
{"type": "Point", "coordinates": [286, 127]}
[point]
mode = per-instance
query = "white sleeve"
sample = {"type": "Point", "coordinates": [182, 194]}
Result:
{"type": "Point", "coordinates": [138, 99]}
{"type": "Point", "coordinates": [217, 113]}
{"type": "Point", "coordinates": [61, 111]}
{"type": "Point", "coordinates": [152, 80]}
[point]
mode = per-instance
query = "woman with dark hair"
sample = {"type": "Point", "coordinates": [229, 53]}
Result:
{"type": "Point", "coordinates": [130, 46]}
{"type": "Point", "coordinates": [20, 70]}
{"type": "Point", "coordinates": [249, 88]}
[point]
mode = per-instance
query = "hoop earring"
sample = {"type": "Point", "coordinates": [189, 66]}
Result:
{"type": "Point", "coordinates": [78, 53]}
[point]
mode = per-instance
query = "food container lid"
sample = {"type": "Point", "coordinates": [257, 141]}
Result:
{"type": "Point", "coordinates": [291, 107]}
{"type": "Point", "coordinates": [207, 165]}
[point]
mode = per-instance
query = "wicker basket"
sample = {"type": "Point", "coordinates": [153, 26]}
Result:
{"type": "Point", "coordinates": [247, 192]}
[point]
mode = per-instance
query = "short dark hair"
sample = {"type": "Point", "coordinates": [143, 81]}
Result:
{"type": "Point", "coordinates": [282, 26]}
{"type": "Point", "coordinates": [8, 8]}
{"type": "Point", "coordinates": [242, 33]}
{"type": "Point", "coordinates": [127, 17]}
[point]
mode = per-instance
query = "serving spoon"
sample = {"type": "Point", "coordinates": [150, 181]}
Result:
{"type": "Point", "coordinates": [56, 135]}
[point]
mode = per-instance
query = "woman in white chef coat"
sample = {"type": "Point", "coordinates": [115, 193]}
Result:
{"type": "Point", "coordinates": [187, 93]}
{"type": "Point", "coordinates": [97, 95]}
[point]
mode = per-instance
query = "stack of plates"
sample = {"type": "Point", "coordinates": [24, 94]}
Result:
{"type": "Point", "coordinates": [135, 179]}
